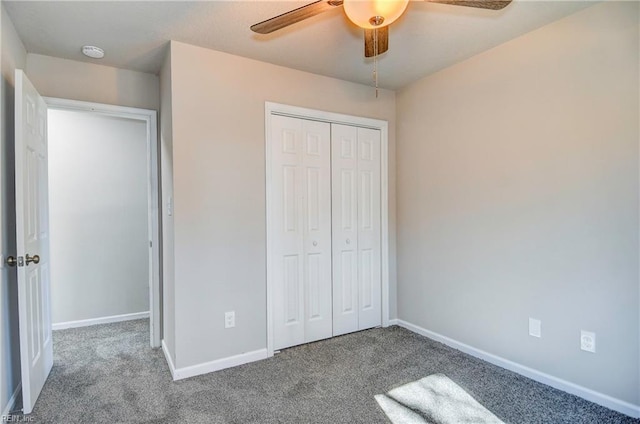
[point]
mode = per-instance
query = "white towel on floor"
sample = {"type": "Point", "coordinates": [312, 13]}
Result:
{"type": "Point", "coordinates": [434, 400]}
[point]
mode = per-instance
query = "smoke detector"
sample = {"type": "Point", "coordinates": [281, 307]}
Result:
{"type": "Point", "coordinates": [93, 52]}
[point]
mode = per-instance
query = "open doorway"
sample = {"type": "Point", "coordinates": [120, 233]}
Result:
{"type": "Point", "coordinates": [103, 215]}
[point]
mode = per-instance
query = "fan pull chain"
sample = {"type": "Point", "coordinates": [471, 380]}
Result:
{"type": "Point", "coordinates": [375, 59]}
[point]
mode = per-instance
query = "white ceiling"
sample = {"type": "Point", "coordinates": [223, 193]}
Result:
{"type": "Point", "coordinates": [134, 35]}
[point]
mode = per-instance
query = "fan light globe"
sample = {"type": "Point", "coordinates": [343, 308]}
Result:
{"type": "Point", "coordinates": [366, 13]}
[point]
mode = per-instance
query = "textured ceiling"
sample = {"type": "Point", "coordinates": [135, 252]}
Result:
{"type": "Point", "coordinates": [134, 35]}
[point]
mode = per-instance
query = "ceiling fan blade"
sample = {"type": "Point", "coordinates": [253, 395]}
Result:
{"type": "Point", "coordinates": [370, 44]}
{"type": "Point", "coordinates": [296, 15]}
{"type": "Point", "coordinates": [481, 4]}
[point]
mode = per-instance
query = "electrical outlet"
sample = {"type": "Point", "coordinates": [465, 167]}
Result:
{"type": "Point", "coordinates": [588, 341]}
{"type": "Point", "coordinates": [230, 319]}
{"type": "Point", "coordinates": [535, 327]}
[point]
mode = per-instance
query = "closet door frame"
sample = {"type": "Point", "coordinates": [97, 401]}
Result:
{"type": "Point", "coordinates": [272, 109]}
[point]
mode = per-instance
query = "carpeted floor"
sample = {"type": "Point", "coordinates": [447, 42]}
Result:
{"type": "Point", "coordinates": [108, 374]}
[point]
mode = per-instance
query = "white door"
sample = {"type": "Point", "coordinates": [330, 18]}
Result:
{"type": "Point", "coordinates": [357, 284]}
{"type": "Point", "coordinates": [369, 244]}
{"type": "Point", "coordinates": [301, 231]}
{"type": "Point", "coordinates": [32, 233]}
{"type": "Point", "coordinates": [344, 169]}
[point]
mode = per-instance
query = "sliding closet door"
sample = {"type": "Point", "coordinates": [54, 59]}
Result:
{"type": "Point", "coordinates": [301, 231]}
{"type": "Point", "coordinates": [356, 228]}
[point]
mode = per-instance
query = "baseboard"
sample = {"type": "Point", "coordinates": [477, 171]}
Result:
{"type": "Point", "coordinates": [220, 364]}
{"type": "Point", "coordinates": [96, 321]}
{"type": "Point", "coordinates": [392, 322]}
{"type": "Point", "coordinates": [12, 401]}
{"type": "Point", "coordinates": [167, 356]}
{"type": "Point", "coordinates": [555, 382]}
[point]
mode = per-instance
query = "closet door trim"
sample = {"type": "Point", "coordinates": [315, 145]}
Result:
{"type": "Point", "coordinates": [272, 109]}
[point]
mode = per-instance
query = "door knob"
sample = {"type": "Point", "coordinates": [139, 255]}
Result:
{"type": "Point", "coordinates": [35, 259]}
{"type": "Point", "coordinates": [315, 243]}
{"type": "Point", "coordinates": [348, 241]}
{"type": "Point", "coordinates": [12, 261]}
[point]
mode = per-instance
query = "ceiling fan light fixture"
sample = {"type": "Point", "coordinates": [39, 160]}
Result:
{"type": "Point", "coordinates": [370, 14]}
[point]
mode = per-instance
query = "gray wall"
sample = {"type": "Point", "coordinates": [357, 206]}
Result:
{"type": "Point", "coordinates": [219, 189]}
{"type": "Point", "coordinates": [14, 56]}
{"type": "Point", "coordinates": [98, 216]}
{"type": "Point", "coordinates": [518, 197]}
{"type": "Point", "coordinates": [69, 79]}
{"type": "Point", "coordinates": [166, 166]}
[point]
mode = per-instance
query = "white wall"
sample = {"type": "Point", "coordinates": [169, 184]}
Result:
{"type": "Point", "coordinates": [219, 189]}
{"type": "Point", "coordinates": [69, 79]}
{"type": "Point", "coordinates": [98, 216]}
{"type": "Point", "coordinates": [13, 56]}
{"type": "Point", "coordinates": [518, 197]}
{"type": "Point", "coordinates": [166, 166]}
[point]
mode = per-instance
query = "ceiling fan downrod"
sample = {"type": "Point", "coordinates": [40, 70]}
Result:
{"type": "Point", "coordinates": [376, 20]}
{"type": "Point", "coordinates": [375, 59]}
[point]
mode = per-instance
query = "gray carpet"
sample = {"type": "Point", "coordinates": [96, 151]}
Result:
{"type": "Point", "coordinates": [108, 374]}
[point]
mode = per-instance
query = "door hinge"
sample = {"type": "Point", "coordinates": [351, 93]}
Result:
{"type": "Point", "coordinates": [150, 243]}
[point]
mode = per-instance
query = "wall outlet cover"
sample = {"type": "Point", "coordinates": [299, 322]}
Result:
{"type": "Point", "coordinates": [535, 327]}
{"type": "Point", "coordinates": [230, 319]}
{"type": "Point", "coordinates": [588, 341]}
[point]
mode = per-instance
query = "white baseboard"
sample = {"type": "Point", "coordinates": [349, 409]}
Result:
{"type": "Point", "coordinates": [392, 322]}
{"type": "Point", "coordinates": [558, 383]}
{"type": "Point", "coordinates": [12, 401]}
{"type": "Point", "coordinates": [167, 356]}
{"type": "Point", "coordinates": [103, 320]}
{"type": "Point", "coordinates": [220, 364]}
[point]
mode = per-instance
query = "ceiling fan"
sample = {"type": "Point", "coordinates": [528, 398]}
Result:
{"type": "Point", "coordinates": [374, 16]}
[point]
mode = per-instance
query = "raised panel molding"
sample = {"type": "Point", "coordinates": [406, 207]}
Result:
{"type": "Point", "coordinates": [313, 199]}
{"type": "Point", "coordinates": [35, 300]}
{"type": "Point", "coordinates": [288, 142]}
{"type": "Point", "coordinates": [32, 194]}
{"type": "Point", "coordinates": [366, 278]}
{"type": "Point", "coordinates": [313, 144]}
{"type": "Point", "coordinates": [366, 150]}
{"type": "Point", "coordinates": [290, 201]}
{"type": "Point", "coordinates": [314, 279]}
{"type": "Point", "coordinates": [349, 277]}
{"type": "Point", "coordinates": [365, 205]}
{"type": "Point", "coordinates": [346, 148]}
{"type": "Point", "coordinates": [347, 209]}
{"type": "Point", "coordinates": [292, 289]}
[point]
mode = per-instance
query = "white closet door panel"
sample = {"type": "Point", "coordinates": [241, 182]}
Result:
{"type": "Point", "coordinates": [345, 228]}
{"type": "Point", "coordinates": [316, 171]}
{"type": "Point", "coordinates": [288, 229]}
{"type": "Point", "coordinates": [369, 222]}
